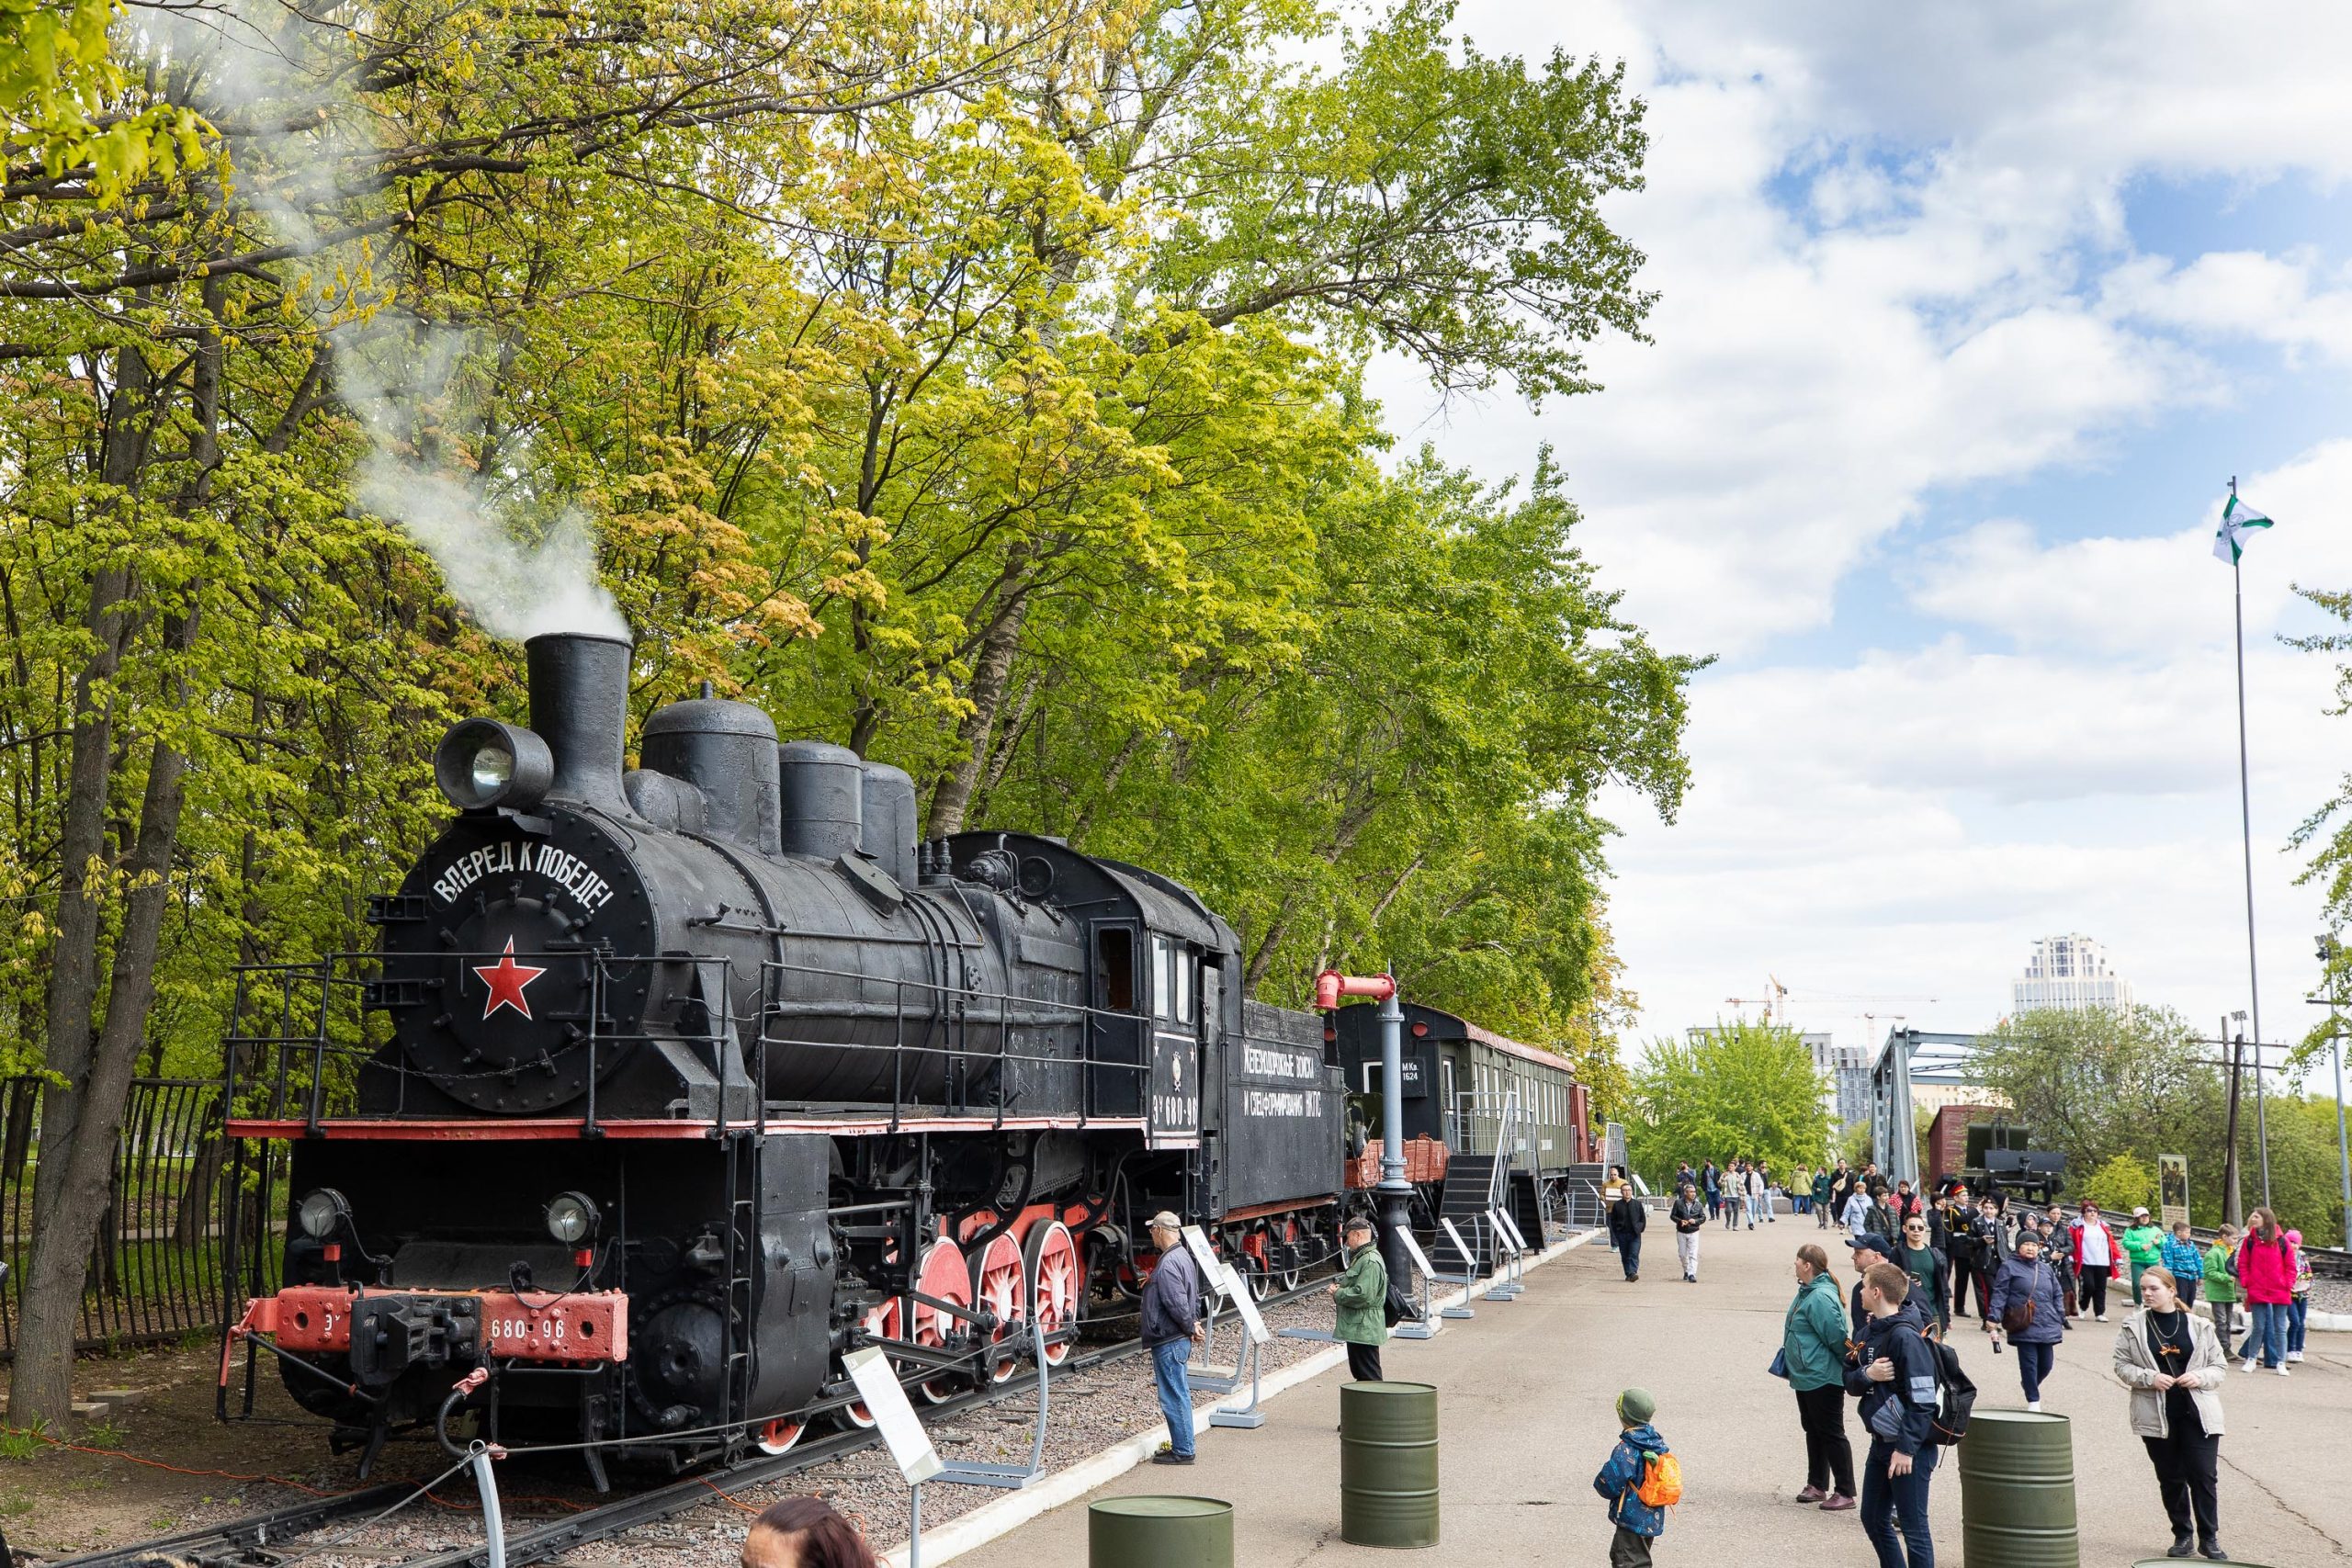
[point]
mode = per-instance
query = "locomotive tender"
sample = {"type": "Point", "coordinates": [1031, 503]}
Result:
{"type": "Point", "coordinates": [664, 1088]}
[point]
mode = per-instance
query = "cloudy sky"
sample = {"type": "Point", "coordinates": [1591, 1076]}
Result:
{"type": "Point", "coordinates": [1967, 317]}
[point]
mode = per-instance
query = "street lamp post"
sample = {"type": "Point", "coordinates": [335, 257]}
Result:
{"type": "Point", "coordinates": [2327, 954]}
{"type": "Point", "coordinates": [2261, 1116]}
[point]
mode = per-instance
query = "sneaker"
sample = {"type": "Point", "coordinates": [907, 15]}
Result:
{"type": "Point", "coordinates": [1837, 1503]}
{"type": "Point", "coordinates": [2248, 1365]}
{"type": "Point", "coordinates": [1171, 1456]}
{"type": "Point", "coordinates": [2034, 1405]}
{"type": "Point", "coordinates": [2102, 1317]}
{"type": "Point", "coordinates": [2294, 1354]}
{"type": "Point", "coordinates": [1811, 1495]}
{"type": "Point", "coordinates": [2213, 1548]}
{"type": "Point", "coordinates": [2181, 1548]}
{"type": "Point", "coordinates": [2281, 1370]}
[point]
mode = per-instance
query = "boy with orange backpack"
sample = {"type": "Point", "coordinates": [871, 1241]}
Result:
{"type": "Point", "coordinates": [1642, 1480]}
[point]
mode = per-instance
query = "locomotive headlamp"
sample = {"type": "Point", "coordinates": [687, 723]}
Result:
{"type": "Point", "coordinates": [482, 763]}
{"type": "Point", "coordinates": [323, 1214]}
{"type": "Point", "coordinates": [573, 1218]}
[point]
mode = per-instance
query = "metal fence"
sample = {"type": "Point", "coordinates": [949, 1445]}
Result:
{"type": "Point", "coordinates": [162, 1265]}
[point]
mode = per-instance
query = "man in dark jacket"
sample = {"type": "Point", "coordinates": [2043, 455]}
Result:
{"type": "Point", "coordinates": [1894, 1378]}
{"type": "Point", "coordinates": [1871, 1249]}
{"type": "Point", "coordinates": [1918, 1257]}
{"type": "Point", "coordinates": [1628, 1218]}
{"type": "Point", "coordinates": [1689, 1217]}
{"type": "Point", "coordinates": [1171, 1323]}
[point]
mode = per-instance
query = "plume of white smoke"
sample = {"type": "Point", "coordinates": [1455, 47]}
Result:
{"type": "Point", "coordinates": [516, 581]}
{"type": "Point", "coordinates": [275, 69]}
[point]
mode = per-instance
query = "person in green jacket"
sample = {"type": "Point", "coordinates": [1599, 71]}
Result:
{"type": "Point", "coordinates": [2143, 1244]}
{"type": "Point", "coordinates": [2221, 1288]}
{"type": "Point", "coordinates": [1362, 1294]}
{"type": "Point", "coordinates": [1813, 1352]}
{"type": "Point", "coordinates": [1821, 1198]}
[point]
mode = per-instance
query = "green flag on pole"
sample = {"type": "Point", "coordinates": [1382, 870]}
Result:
{"type": "Point", "coordinates": [2238, 519]}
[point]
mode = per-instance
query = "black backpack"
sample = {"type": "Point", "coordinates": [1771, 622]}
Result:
{"type": "Point", "coordinates": [1959, 1398]}
{"type": "Point", "coordinates": [1399, 1307]}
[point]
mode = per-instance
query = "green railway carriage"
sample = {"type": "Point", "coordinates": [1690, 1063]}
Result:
{"type": "Point", "coordinates": [1457, 1079]}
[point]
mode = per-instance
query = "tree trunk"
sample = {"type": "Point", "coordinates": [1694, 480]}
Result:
{"type": "Point", "coordinates": [989, 677]}
{"type": "Point", "coordinates": [81, 1124]}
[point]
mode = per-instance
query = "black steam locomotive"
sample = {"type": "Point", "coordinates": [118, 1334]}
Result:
{"type": "Point", "coordinates": [662, 1089]}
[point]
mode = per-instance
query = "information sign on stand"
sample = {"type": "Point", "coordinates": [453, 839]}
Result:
{"type": "Point", "coordinates": [1469, 1259]}
{"type": "Point", "coordinates": [1506, 1258]}
{"type": "Point", "coordinates": [2172, 1189]}
{"type": "Point", "coordinates": [1424, 1328]}
{"type": "Point", "coordinates": [1253, 1329]}
{"type": "Point", "coordinates": [911, 1449]}
{"type": "Point", "coordinates": [902, 1434]}
{"type": "Point", "coordinates": [1510, 1227]}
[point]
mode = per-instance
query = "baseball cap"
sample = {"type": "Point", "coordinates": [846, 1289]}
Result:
{"type": "Point", "coordinates": [1871, 1241]}
{"type": "Point", "coordinates": [2140, 1211]}
{"type": "Point", "coordinates": [1164, 1221]}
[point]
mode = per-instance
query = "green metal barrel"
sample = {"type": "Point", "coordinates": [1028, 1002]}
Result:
{"type": "Point", "coordinates": [1159, 1532]}
{"type": "Point", "coordinates": [1388, 1464]}
{"type": "Point", "coordinates": [2016, 1491]}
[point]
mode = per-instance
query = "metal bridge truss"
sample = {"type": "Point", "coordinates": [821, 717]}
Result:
{"type": "Point", "coordinates": [1911, 1056]}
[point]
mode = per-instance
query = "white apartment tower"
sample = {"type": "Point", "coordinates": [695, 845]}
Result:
{"type": "Point", "coordinates": [2070, 972]}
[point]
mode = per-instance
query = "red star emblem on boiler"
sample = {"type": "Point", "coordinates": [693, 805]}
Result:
{"type": "Point", "coordinates": [506, 979]}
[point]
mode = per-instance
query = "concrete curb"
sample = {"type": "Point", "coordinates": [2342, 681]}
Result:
{"type": "Point", "coordinates": [2330, 1322]}
{"type": "Point", "coordinates": [991, 1521]}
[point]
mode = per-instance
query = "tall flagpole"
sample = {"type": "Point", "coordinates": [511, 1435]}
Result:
{"type": "Point", "coordinates": [2245, 827]}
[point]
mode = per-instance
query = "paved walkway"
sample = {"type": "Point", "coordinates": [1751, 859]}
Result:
{"type": "Point", "coordinates": [1527, 1389]}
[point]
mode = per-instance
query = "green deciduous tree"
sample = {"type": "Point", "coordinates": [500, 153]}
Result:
{"type": "Point", "coordinates": [2104, 1086]}
{"type": "Point", "coordinates": [979, 384]}
{"type": "Point", "coordinates": [1738, 1091]}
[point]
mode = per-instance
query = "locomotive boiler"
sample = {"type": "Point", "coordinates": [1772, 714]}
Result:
{"type": "Point", "coordinates": [663, 1089]}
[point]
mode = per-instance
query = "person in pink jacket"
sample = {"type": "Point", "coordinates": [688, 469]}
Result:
{"type": "Point", "coordinates": [2266, 1274]}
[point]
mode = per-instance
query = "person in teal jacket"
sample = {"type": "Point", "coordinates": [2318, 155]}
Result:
{"type": "Point", "coordinates": [2143, 1244]}
{"type": "Point", "coordinates": [1362, 1296]}
{"type": "Point", "coordinates": [1821, 1185]}
{"type": "Point", "coordinates": [1813, 1349]}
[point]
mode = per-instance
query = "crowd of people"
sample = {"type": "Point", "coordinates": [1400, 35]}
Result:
{"type": "Point", "coordinates": [1884, 1343]}
{"type": "Point", "coordinates": [2031, 1275]}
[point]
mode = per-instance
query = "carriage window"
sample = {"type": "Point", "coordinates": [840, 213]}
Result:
{"type": "Point", "coordinates": [1114, 964]}
{"type": "Point", "coordinates": [1161, 981]}
{"type": "Point", "coordinates": [1187, 968]}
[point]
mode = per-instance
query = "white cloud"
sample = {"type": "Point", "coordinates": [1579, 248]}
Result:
{"type": "Point", "coordinates": [1905, 826]}
{"type": "Point", "coordinates": [1893, 260]}
{"type": "Point", "coordinates": [2151, 595]}
{"type": "Point", "coordinates": [1934, 314]}
{"type": "Point", "coordinates": [2238, 294]}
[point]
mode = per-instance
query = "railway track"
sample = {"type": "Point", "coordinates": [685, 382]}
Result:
{"type": "Point", "coordinates": [276, 1538]}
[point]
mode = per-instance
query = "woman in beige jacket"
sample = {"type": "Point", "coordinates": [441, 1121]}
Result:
{"type": "Point", "coordinates": [2173, 1363]}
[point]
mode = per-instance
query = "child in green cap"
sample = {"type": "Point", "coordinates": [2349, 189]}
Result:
{"type": "Point", "coordinates": [1641, 1481]}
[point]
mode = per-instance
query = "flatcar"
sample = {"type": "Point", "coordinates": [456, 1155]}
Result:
{"type": "Point", "coordinates": [662, 1089]}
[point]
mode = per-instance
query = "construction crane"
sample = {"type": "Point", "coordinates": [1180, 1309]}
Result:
{"type": "Point", "coordinates": [1775, 1006]}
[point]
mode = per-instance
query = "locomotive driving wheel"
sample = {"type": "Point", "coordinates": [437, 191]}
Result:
{"type": "Point", "coordinates": [999, 1284]}
{"type": "Point", "coordinates": [779, 1436]}
{"type": "Point", "coordinates": [1056, 1281]}
{"type": "Point", "coordinates": [881, 1320]}
{"type": "Point", "coordinates": [943, 1275]}
{"type": "Point", "coordinates": [1284, 1234]}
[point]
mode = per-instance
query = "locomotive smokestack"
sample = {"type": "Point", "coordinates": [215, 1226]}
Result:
{"type": "Point", "coordinates": [580, 707]}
